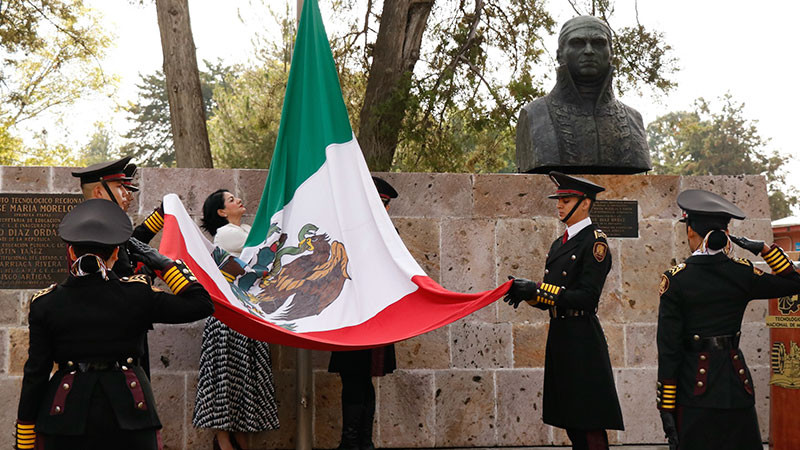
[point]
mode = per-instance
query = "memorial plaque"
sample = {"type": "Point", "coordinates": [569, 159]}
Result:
{"type": "Point", "coordinates": [32, 256]}
{"type": "Point", "coordinates": [617, 218]}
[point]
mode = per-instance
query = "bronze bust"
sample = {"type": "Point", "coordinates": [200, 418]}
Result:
{"type": "Point", "coordinates": [580, 127]}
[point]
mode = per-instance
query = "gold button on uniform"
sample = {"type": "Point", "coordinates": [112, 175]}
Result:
{"type": "Point", "coordinates": [133, 384]}
{"type": "Point", "coordinates": [129, 360]}
{"type": "Point", "coordinates": [696, 337]}
{"type": "Point", "coordinates": [702, 357]}
{"type": "Point", "coordinates": [702, 371]}
{"type": "Point", "coordinates": [124, 367]}
{"type": "Point", "coordinates": [741, 371]}
{"type": "Point", "coordinates": [65, 386]}
{"type": "Point", "coordinates": [572, 257]}
{"type": "Point", "coordinates": [70, 363]}
{"type": "Point", "coordinates": [699, 384]}
{"type": "Point", "coordinates": [746, 381]}
{"type": "Point", "coordinates": [564, 273]}
{"type": "Point", "coordinates": [735, 357]}
{"type": "Point", "coordinates": [58, 409]}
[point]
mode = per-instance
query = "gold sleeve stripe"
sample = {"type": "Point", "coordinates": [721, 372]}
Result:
{"type": "Point", "coordinates": [154, 222]}
{"type": "Point", "coordinates": [21, 426]}
{"type": "Point", "coordinates": [178, 286]}
{"type": "Point", "coordinates": [171, 274]}
{"type": "Point", "coordinates": [781, 266]}
{"type": "Point", "coordinates": [230, 278]}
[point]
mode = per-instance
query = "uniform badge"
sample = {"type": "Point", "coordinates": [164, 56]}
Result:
{"type": "Point", "coordinates": [757, 271]}
{"type": "Point", "coordinates": [664, 285]}
{"type": "Point", "coordinates": [599, 251]}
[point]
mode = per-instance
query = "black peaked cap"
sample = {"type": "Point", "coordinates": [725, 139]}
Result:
{"type": "Point", "coordinates": [697, 202]}
{"type": "Point", "coordinates": [108, 171]}
{"type": "Point", "coordinates": [96, 222]}
{"type": "Point", "coordinates": [384, 188]}
{"type": "Point", "coordinates": [569, 186]}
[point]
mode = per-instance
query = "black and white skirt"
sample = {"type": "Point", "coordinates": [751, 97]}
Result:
{"type": "Point", "coordinates": [235, 390]}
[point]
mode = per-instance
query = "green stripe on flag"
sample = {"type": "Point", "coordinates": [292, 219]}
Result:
{"type": "Point", "coordinates": [314, 116]}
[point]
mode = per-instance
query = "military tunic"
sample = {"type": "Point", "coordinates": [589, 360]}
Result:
{"type": "Point", "coordinates": [706, 297]}
{"type": "Point", "coordinates": [579, 391]}
{"type": "Point", "coordinates": [94, 330]}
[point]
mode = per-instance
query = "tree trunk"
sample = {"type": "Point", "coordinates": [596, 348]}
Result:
{"type": "Point", "coordinates": [395, 53]}
{"type": "Point", "coordinates": [186, 111]}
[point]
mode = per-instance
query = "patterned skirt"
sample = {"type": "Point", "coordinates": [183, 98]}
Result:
{"type": "Point", "coordinates": [235, 390]}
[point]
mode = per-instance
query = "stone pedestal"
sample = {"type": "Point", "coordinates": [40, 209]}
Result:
{"type": "Point", "coordinates": [477, 382]}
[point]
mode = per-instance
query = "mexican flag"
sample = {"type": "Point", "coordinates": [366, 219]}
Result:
{"type": "Point", "coordinates": [323, 266]}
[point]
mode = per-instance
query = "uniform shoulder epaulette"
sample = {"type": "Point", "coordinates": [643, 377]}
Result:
{"type": "Point", "coordinates": [743, 261]}
{"type": "Point", "coordinates": [599, 234]}
{"type": "Point", "coordinates": [138, 278]}
{"type": "Point", "coordinates": [675, 269]}
{"type": "Point", "coordinates": [44, 291]}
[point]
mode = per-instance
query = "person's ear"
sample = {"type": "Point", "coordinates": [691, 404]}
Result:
{"type": "Point", "coordinates": [222, 213]}
{"type": "Point", "coordinates": [98, 191]}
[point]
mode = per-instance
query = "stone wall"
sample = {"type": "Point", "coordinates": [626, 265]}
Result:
{"type": "Point", "coordinates": [477, 382]}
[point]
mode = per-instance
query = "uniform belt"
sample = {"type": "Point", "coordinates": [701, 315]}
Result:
{"type": "Point", "coordinates": [98, 366]}
{"type": "Point", "coordinates": [698, 344]}
{"type": "Point", "coordinates": [562, 313]}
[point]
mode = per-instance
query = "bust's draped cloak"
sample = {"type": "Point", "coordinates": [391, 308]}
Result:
{"type": "Point", "coordinates": [561, 132]}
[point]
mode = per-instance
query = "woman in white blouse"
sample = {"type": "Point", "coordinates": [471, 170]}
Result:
{"type": "Point", "coordinates": [235, 390]}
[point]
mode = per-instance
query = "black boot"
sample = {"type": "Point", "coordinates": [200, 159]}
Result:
{"type": "Point", "coordinates": [351, 421]}
{"type": "Point", "coordinates": [365, 435]}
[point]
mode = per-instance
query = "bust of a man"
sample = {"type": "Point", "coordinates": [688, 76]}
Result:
{"type": "Point", "coordinates": [580, 127]}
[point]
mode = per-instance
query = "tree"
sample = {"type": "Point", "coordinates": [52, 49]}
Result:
{"type": "Point", "coordinates": [150, 139]}
{"type": "Point", "coordinates": [719, 141]}
{"type": "Point", "coordinates": [100, 147]}
{"type": "Point", "coordinates": [51, 53]}
{"type": "Point", "coordinates": [482, 62]}
{"type": "Point", "coordinates": [187, 114]}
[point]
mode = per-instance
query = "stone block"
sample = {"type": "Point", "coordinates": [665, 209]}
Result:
{"type": "Point", "coordinates": [284, 437]}
{"type": "Point", "coordinates": [611, 308]}
{"type": "Point", "coordinates": [748, 192]}
{"type": "Point", "coordinates": [636, 389]}
{"type": "Point", "coordinates": [513, 195]}
{"type": "Point", "coordinates": [25, 179]}
{"type": "Point", "coordinates": [756, 311]}
{"type": "Point", "coordinates": [522, 246]}
{"type": "Point", "coordinates": [529, 344]}
{"type": "Point", "coordinates": [755, 344]}
{"type": "Point", "coordinates": [196, 438]}
{"type": "Point", "coordinates": [465, 405]}
{"type": "Point", "coordinates": [10, 307]}
{"type": "Point", "coordinates": [680, 245]}
{"type": "Point", "coordinates": [643, 261]}
{"type": "Point", "coordinates": [655, 194]}
{"type": "Point", "coordinates": [17, 349]}
{"type": "Point", "coordinates": [468, 253]}
{"type": "Point", "coordinates": [249, 187]}
{"type": "Point", "coordinates": [406, 409]}
{"type": "Point", "coordinates": [431, 194]}
{"type": "Point", "coordinates": [519, 408]}
{"type": "Point", "coordinates": [480, 345]}
{"type": "Point", "coordinates": [63, 182]}
{"type": "Point", "coordinates": [175, 347]}
{"type": "Point", "coordinates": [26, 295]}
{"type": "Point", "coordinates": [169, 391]}
{"type": "Point", "coordinates": [421, 237]}
{"type": "Point", "coordinates": [10, 388]}
{"type": "Point", "coordinates": [327, 410]}
{"type": "Point", "coordinates": [191, 185]}
{"type": "Point", "coordinates": [640, 345]}
{"type": "Point", "coordinates": [759, 229]}
{"type": "Point", "coordinates": [761, 377]}
{"type": "Point", "coordinates": [287, 359]}
{"type": "Point", "coordinates": [615, 338]}
{"type": "Point", "coordinates": [427, 351]}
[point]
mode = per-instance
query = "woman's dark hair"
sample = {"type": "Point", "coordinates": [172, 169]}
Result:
{"type": "Point", "coordinates": [703, 224]}
{"type": "Point", "coordinates": [103, 251]}
{"type": "Point", "coordinates": [211, 220]}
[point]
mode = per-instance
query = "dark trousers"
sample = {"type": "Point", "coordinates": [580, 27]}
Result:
{"type": "Point", "coordinates": [588, 439]}
{"type": "Point", "coordinates": [357, 389]}
{"type": "Point", "coordinates": [718, 429]}
{"type": "Point", "coordinates": [102, 432]}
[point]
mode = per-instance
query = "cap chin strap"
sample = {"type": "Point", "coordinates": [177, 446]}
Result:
{"type": "Point", "coordinates": [77, 271]}
{"type": "Point", "coordinates": [574, 208]}
{"type": "Point", "coordinates": [110, 194]}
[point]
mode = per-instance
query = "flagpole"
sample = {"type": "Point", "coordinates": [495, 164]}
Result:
{"type": "Point", "coordinates": [304, 375]}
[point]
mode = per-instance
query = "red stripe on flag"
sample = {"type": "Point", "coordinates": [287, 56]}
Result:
{"type": "Point", "coordinates": [428, 308]}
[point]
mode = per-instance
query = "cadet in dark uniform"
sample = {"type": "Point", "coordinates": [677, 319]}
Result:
{"type": "Point", "coordinates": [113, 180]}
{"type": "Point", "coordinates": [579, 391]}
{"type": "Point", "coordinates": [356, 368]}
{"type": "Point", "coordinates": [93, 325]}
{"type": "Point", "coordinates": [704, 390]}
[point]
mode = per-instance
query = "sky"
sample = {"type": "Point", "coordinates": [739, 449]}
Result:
{"type": "Point", "coordinates": [734, 46]}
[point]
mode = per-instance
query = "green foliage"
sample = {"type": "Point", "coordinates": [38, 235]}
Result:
{"type": "Point", "coordinates": [711, 141]}
{"type": "Point", "coordinates": [150, 139]}
{"type": "Point", "coordinates": [480, 62]}
{"type": "Point", "coordinates": [100, 147]}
